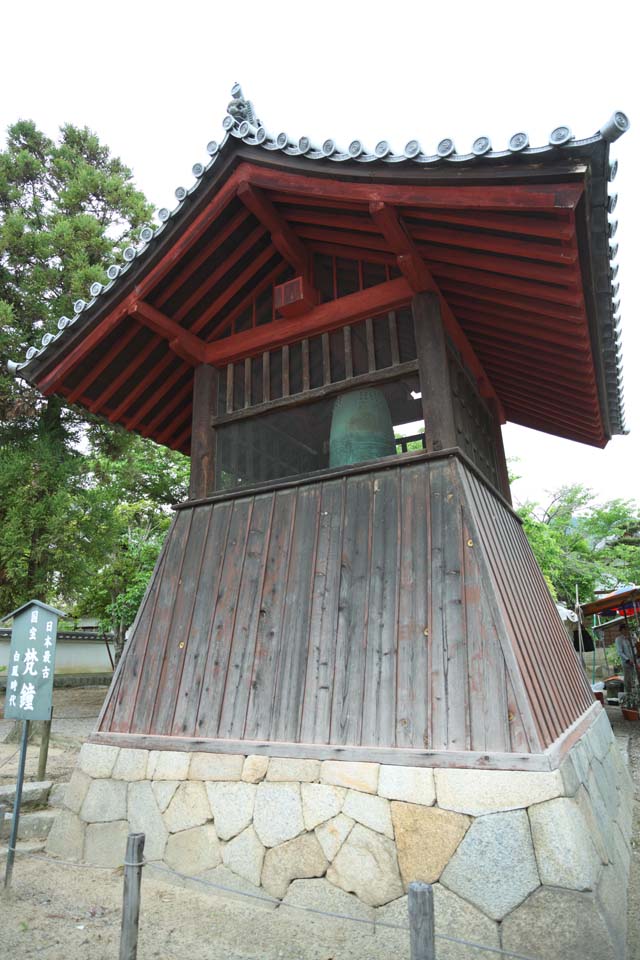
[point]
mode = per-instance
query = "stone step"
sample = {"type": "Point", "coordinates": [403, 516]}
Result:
{"type": "Point", "coordinates": [32, 826]}
{"type": "Point", "coordinates": [34, 794]}
{"type": "Point", "coordinates": [30, 846]}
{"type": "Point", "coordinates": [56, 795]}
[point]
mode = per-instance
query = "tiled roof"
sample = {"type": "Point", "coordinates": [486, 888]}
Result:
{"type": "Point", "coordinates": [242, 124]}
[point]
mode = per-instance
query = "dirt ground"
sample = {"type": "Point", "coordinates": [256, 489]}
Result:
{"type": "Point", "coordinates": [73, 913]}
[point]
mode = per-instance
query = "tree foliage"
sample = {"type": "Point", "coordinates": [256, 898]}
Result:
{"type": "Point", "coordinates": [82, 505]}
{"type": "Point", "coordinates": [578, 541]}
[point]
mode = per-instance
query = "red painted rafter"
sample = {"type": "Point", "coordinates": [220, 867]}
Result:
{"type": "Point", "coordinates": [349, 252]}
{"type": "Point", "coordinates": [553, 295]}
{"type": "Point", "coordinates": [283, 237]}
{"type": "Point", "coordinates": [420, 278]}
{"type": "Point", "coordinates": [506, 299]}
{"type": "Point", "coordinates": [174, 401]}
{"type": "Point", "coordinates": [241, 250]}
{"type": "Point", "coordinates": [102, 364]}
{"type": "Point", "coordinates": [558, 228]}
{"type": "Point", "coordinates": [247, 300]}
{"type": "Point", "coordinates": [536, 329]}
{"type": "Point", "coordinates": [164, 387]}
{"type": "Point", "coordinates": [230, 292]}
{"type": "Point", "coordinates": [114, 384]}
{"type": "Point", "coordinates": [208, 251]}
{"type": "Point", "coordinates": [182, 342]}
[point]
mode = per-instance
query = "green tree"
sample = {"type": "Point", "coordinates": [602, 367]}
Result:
{"type": "Point", "coordinates": [67, 208]}
{"type": "Point", "coordinates": [578, 541]}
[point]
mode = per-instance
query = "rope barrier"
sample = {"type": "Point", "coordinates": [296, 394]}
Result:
{"type": "Point", "coordinates": [161, 868]}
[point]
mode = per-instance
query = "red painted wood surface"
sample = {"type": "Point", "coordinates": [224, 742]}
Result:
{"type": "Point", "coordinates": [399, 607]}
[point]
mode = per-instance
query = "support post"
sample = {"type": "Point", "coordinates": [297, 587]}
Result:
{"type": "Point", "coordinates": [421, 922]}
{"type": "Point", "coordinates": [203, 433]}
{"type": "Point", "coordinates": [13, 839]}
{"type": "Point", "coordinates": [433, 364]}
{"type": "Point", "coordinates": [501, 460]}
{"type": "Point", "coordinates": [133, 863]}
{"type": "Point", "coordinates": [44, 749]}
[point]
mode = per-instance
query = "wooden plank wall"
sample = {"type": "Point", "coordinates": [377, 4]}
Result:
{"type": "Point", "coordinates": [395, 608]}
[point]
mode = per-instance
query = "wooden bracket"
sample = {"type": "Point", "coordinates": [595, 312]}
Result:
{"type": "Point", "coordinates": [284, 238]}
{"type": "Point", "coordinates": [183, 343]}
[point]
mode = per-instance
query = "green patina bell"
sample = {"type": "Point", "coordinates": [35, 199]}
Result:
{"type": "Point", "coordinates": [361, 428]}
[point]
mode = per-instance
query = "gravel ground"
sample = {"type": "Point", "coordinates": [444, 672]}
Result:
{"type": "Point", "coordinates": [73, 913]}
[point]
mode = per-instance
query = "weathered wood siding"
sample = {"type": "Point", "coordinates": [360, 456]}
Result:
{"type": "Point", "coordinates": [396, 608]}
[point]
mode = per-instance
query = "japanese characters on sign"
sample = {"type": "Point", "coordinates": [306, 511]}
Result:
{"type": "Point", "coordinates": [31, 663]}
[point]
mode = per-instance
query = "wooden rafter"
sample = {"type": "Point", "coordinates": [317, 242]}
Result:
{"type": "Point", "coordinates": [232, 289]}
{"type": "Point", "coordinates": [283, 237]}
{"type": "Point", "coordinates": [247, 300]}
{"type": "Point", "coordinates": [181, 341]}
{"type": "Point", "coordinates": [167, 383]}
{"type": "Point", "coordinates": [116, 382]}
{"type": "Point", "coordinates": [421, 280]}
{"type": "Point", "coordinates": [107, 358]}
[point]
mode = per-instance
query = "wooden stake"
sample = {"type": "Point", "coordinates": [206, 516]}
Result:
{"type": "Point", "coordinates": [421, 922]}
{"type": "Point", "coordinates": [133, 863]}
{"type": "Point", "coordinates": [44, 750]}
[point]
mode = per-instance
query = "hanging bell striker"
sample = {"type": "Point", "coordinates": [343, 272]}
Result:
{"type": "Point", "coordinates": [361, 428]}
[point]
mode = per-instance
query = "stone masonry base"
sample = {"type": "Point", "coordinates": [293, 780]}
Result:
{"type": "Point", "coordinates": [532, 862]}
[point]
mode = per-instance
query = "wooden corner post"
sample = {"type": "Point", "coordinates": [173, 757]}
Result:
{"type": "Point", "coordinates": [203, 433]}
{"type": "Point", "coordinates": [433, 364]}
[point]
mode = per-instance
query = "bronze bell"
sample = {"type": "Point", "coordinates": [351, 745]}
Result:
{"type": "Point", "coordinates": [361, 428]}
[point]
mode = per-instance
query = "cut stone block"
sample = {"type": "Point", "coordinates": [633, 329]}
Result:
{"type": "Point", "coordinates": [332, 834]}
{"type": "Point", "coordinates": [607, 787]}
{"type": "Point", "coordinates": [168, 765]}
{"type": "Point", "coordinates": [612, 898]}
{"type": "Point", "coordinates": [193, 851]}
{"type": "Point", "coordinates": [278, 813]}
{"type": "Point", "coordinates": [189, 808]}
{"type": "Point", "coordinates": [367, 865]}
{"type": "Point", "coordinates": [570, 778]}
{"type": "Point", "coordinates": [293, 860]}
{"type": "Point", "coordinates": [33, 825]}
{"type": "Point", "coordinates": [319, 894]}
{"type": "Point", "coordinates": [410, 784]}
{"type": "Point", "coordinates": [320, 802]}
{"type": "Point", "coordinates": [426, 839]}
{"type": "Point", "coordinates": [232, 807]}
{"type": "Point", "coordinates": [580, 760]}
{"type": "Point", "coordinates": [105, 843]}
{"type": "Point", "coordinates": [216, 766]}
{"type": "Point", "coordinates": [477, 792]}
{"type": "Point", "coordinates": [57, 793]}
{"type": "Point", "coordinates": [131, 765]}
{"type": "Point", "coordinates": [244, 855]}
{"type": "Point", "coordinates": [494, 867]}
{"type": "Point", "coordinates": [564, 851]}
{"type": "Point", "coordinates": [97, 760]}
{"type": "Point", "coordinates": [164, 791]}
{"type": "Point", "coordinates": [255, 768]}
{"type": "Point", "coordinates": [559, 923]}
{"type": "Point", "coordinates": [600, 736]}
{"type": "Point", "coordinates": [105, 801]}
{"type": "Point", "coordinates": [354, 776]}
{"type": "Point", "coordinates": [585, 806]}
{"type": "Point", "coordinates": [145, 817]}
{"type": "Point", "coordinates": [33, 794]}
{"type": "Point", "coordinates": [231, 881]}
{"type": "Point", "coordinates": [76, 791]}
{"type": "Point", "coordinates": [370, 811]}
{"type": "Point", "coordinates": [66, 837]}
{"type": "Point", "coordinates": [291, 771]}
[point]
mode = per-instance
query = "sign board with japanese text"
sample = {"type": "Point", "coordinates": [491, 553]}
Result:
{"type": "Point", "coordinates": [31, 662]}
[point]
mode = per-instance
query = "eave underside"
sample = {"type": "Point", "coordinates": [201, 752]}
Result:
{"type": "Point", "coordinates": [503, 257]}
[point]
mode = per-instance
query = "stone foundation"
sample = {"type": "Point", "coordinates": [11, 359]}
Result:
{"type": "Point", "coordinates": [516, 858]}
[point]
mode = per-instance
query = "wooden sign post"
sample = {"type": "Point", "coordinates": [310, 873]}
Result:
{"type": "Point", "coordinates": [29, 693]}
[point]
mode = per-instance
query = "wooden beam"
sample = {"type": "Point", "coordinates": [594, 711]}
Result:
{"type": "Point", "coordinates": [107, 358]}
{"type": "Point", "coordinates": [91, 339]}
{"type": "Point", "coordinates": [167, 384]}
{"type": "Point", "coordinates": [203, 433]}
{"type": "Point", "coordinates": [182, 342]}
{"type": "Point", "coordinates": [116, 382]}
{"type": "Point", "coordinates": [232, 289]}
{"type": "Point", "coordinates": [282, 234]}
{"type": "Point", "coordinates": [322, 319]}
{"type": "Point", "coordinates": [246, 301]}
{"type": "Point", "coordinates": [433, 365]}
{"type": "Point", "coordinates": [143, 382]}
{"type": "Point", "coordinates": [527, 196]}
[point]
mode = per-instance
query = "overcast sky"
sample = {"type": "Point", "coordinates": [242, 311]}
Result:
{"type": "Point", "coordinates": [153, 81]}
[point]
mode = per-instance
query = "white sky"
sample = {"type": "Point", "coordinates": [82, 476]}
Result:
{"type": "Point", "coordinates": [153, 81]}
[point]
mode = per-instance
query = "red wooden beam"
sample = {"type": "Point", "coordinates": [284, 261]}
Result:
{"type": "Point", "coordinates": [234, 287]}
{"type": "Point", "coordinates": [573, 325]}
{"type": "Point", "coordinates": [175, 399]}
{"type": "Point", "coordinates": [283, 236]}
{"type": "Point", "coordinates": [537, 291]}
{"type": "Point", "coordinates": [181, 341]}
{"type": "Point", "coordinates": [162, 389]}
{"type": "Point", "coordinates": [116, 382]}
{"type": "Point", "coordinates": [527, 196]}
{"type": "Point", "coordinates": [349, 252]}
{"type": "Point", "coordinates": [143, 382]}
{"type": "Point", "coordinates": [107, 358]}
{"type": "Point", "coordinates": [246, 301]}
{"type": "Point", "coordinates": [566, 276]}
{"type": "Point", "coordinates": [322, 319]}
{"type": "Point", "coordinates": [511, 246]}
{"type": "Point", "coordinates": [52, 381]}
{"type": "Point", "coordinates": [505, 299]}
{"type": "Point", "coordinates": [526, 327]}
{"type": "Point", "coordinates": [559, 228]}
{"type": "Point", "coordinates": [207, 251]}
{"type": "Point", "coordinates": [220, 272]}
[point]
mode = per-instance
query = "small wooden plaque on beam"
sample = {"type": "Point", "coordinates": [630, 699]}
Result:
{"type": "Point", "coordinates": [294, 298]}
